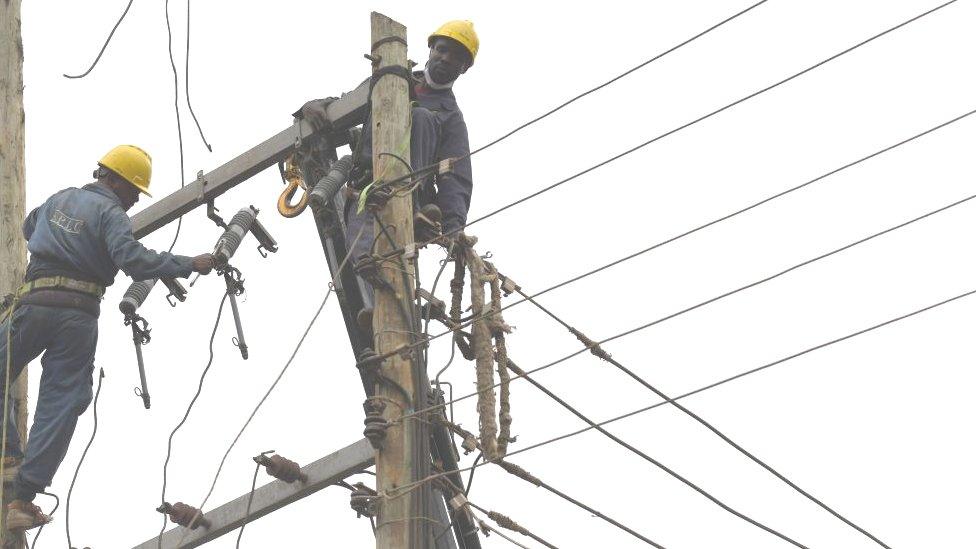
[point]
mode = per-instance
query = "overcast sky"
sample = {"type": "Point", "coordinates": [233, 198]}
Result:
{"type": "Point", "coordinates": [879, 426]}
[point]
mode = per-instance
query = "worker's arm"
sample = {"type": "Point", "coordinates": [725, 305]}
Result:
{"type": "Point", "coordinates": [454, 188]}
{"type": "Point", "coordinates": [30, 222]}
{"type": "Point", "coordinates": [135, 260]}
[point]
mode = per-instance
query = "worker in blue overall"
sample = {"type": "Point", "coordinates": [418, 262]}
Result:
{"type": "Point", "coordinates": [78, 240]}
{"type": "Point", "coordinates": [438, 132]}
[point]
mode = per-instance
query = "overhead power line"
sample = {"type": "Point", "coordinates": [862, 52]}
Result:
{"type": "Point", "coordinates": [607, 357]}
{"type": "Point", "coordinates": [105, 45]}
{"type": "Point", "coordinates": [179, 126]}
{"type": "Point", "coordinates": [186, 80]}
{"type": "Point", "coordinates": [716, 298]}
{"type": "Point", "coordinates": [710, 386]}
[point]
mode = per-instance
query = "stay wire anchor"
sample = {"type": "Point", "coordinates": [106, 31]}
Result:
{"type": "Point", "coordinates": [281, 468]}
{"type": "Point", "coordinates": [184, 515]}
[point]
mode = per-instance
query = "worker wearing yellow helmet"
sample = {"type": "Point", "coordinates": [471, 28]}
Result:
{"type": "Point", "coordinates": [438, 132]}
{"type": "Point", "coordinates": [78, 239]}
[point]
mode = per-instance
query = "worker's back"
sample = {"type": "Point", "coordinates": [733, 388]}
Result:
{"type": "Point", "coordinates": [66, 235]}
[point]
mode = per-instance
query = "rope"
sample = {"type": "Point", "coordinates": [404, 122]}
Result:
{"type": "Point", "coordinates": [6, 392]}
{"type": "Point", "coordinates": [709, 426]}
{"type": "Point", "coordinates": [105, 45]}
{"type": "Point", "coordinates": [169, 444]}
{"type": "Point", "coordinates": [84, 454]}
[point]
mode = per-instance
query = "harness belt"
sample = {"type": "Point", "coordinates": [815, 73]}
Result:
{"type": "Point", "coordinates": [56, 291]}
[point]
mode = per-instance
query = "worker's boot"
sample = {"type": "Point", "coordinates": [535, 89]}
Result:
{"type": "Point", "coordinates": [24, 515]}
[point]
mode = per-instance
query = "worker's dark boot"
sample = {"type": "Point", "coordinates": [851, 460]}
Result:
{"type": "Point", "coordinates": [24, 515]}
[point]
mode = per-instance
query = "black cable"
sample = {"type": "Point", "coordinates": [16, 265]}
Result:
{"type": "Point", "coordinates": [57, 503]}
{"type": "Point", "coordinates": [169, 444]}
{"type": "Point", "coordinates": [467, 489]}
{"type": "Point", "coordinates": [713, 429]}
{"type": "Point", "coordinates": [726, 380]}
{"type": "Point", "coordinates": [250, 498]}
{"type": "Point", "coordinates": [723, 295]}
{"type": "Point", "coordinates": [749, 372]}
{"type": "Point", "coordinates": [176, 108]}
{"type": "Point", "coordinates": [105, 45]}
{"type": "Point", "coordinates": [74, 478]}
{"type": "Point", "coordinates": [707, 116]}
{"type": "Point", "coordinates": [658, 464]}
{"type": "Point", "coordinates": [716, 221]}
{"type": "Point", "coordinates": [186, 80]}
{"type": "Point", "coordinates": [679, 128]}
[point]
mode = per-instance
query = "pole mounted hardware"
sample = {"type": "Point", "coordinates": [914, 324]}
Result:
{"type": "Point", "coordinates": [184, 515]}
{"type": "Point", "coordinates": [281, 468]}
{"type": "Point", "coordinates": [133, 298]}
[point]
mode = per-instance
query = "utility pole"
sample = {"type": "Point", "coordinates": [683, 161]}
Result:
{"type": "Point", "coordinates": [13, 198]}
{"type": "Point", "coordinates": [399, 460]}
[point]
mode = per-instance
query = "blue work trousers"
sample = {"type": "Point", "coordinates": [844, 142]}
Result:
{"type": "Point", "coordinates": [67, 337]}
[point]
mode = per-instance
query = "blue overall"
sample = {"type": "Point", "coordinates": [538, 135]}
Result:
{"type": "Point", "coordinates": [83, 234]}
{"type": "Point", "coordinates": [437, 132]}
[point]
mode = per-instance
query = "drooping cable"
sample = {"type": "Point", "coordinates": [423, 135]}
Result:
{"type": "Point", "coordinates": [176, 108]}
{"type": "Point", "coordinates": [57, 503]}
{"type": "Point", "coordinates": [724, 381]}
{"type": "Point", "coordinates": [169, 443]}
{"type": "Point", "coordinates": [607, 357]}
{"type": "Point", "coordinates": [84, 454]}
{"type": "Point", "coordinates": [105, 45]}
{"type": "Point", "coordinates": [186, 80]}
{"type": "Point", "coordinates": [274, 384]}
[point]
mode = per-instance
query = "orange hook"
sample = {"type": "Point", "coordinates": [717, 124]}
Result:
{"type": "Point", "coordinates": [293, 180]}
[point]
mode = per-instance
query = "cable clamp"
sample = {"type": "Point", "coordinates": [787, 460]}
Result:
{"type": "Point", "coordinates": [362, 500]}
{"type": "Point", "coordinates": [593, 346]}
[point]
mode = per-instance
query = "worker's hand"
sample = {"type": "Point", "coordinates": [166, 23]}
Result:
{"type": "Point", "coordinates": [203, 264]}
{"type": "Point", "coordinates": [315, 112]}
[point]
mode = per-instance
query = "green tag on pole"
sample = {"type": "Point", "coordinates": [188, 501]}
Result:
{"type": "Point", "coordinates": [362, 198]}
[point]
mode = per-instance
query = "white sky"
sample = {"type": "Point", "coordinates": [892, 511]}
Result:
{"type": "Point", "coordinates": [875, 426]}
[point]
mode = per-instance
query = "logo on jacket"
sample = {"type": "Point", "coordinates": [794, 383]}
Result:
{"type": "Point", "coordinates": [67, 224]}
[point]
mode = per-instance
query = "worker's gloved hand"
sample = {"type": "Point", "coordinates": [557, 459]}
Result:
{"type": "Point", "coordinates": [203, 264]}
{"type": "Point", "coordinates": [315, 112]}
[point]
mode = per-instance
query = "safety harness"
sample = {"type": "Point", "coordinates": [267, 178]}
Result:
{"type": "Point", "coordinates": [55, 291]}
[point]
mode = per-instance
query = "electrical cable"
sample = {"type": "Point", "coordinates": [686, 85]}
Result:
{"type": "Point", "coordinates": [715, 221]}
{"type": "Point", "coordinates": [274, 384]}
{"type": "Point", "coordinates": [84, 454]}
{"type": "Point", "coordinates": [250, 499]}
{"type": "Point", "coordinates": [105, 45]}
{"type": "Point", "coordinates": [169, 444]}
{"type": "Point", "coordinates": [506, 522]}
{"type": "Point", "coordinates": [721, 296]}
{"type": "Point", "coordinates": [687, 124]}
{"type": "Point", "coordinates": [726, 380]}
{"type": "Point", "coordinates": [607, 357]}
{"type": "Point", "coordinates": [176, 108]}
{"type": "Point", "coordinates": [614, 79]}
{"type": "Point", "coordinates": [186, 80]}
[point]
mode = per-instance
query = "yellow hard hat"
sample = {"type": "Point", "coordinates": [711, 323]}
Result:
{"type": "Point", "coordinates": [130, 163]}
{"type": "Point", "coordinates": [462, 31]}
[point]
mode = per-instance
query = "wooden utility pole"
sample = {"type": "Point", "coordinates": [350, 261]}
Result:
{"type": "Point", "coordinates": [398, 460]}
{"type": "Point", "coordinates": [13, 248]}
